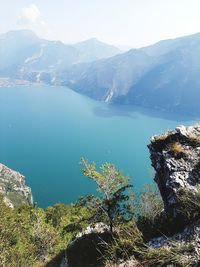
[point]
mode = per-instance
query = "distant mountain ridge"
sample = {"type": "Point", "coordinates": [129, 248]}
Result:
{"type": "Point", "coordinates": [163, 76]}
{"type": "Point", "coordinates": [93, 49]}
{"type": "Point", "coordinates": [26, 56]}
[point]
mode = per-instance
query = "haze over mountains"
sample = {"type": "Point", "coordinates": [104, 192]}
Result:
{"type": "Point", "coordinates": [22, 54]}
{"type": "Point", "coordinates": [164, 76]}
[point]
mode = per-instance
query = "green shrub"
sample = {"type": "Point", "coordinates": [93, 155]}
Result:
{"type": "Point", "coordinates": [149, 204]}
{"type": "Point", "coordinates": [32, 236]}
{"type": "Point", "coordinates": [114, 191]}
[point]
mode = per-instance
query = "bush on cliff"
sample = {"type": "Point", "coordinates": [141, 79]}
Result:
{"type": "Point", "coordinates": [114, 200]}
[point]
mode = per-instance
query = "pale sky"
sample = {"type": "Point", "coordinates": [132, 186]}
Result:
{"type": "Point", "coordinates": [134, 23]}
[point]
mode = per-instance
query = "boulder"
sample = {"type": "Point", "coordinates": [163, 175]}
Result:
{"type": "Point", "coordinates": [88, 247]}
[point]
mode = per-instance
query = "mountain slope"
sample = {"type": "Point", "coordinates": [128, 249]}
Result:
{"type": "Point", "coordinates": [22, 52]}
{"type": "Point", "coordinates": [163, 76]}
{"type": "Point", "coordinates": [94, 49]}
{"type": "Point", "coordinates": [106, 79]}
{"type": "Point", "coordinates": [25, 56]}
{"type": "Point", "coordinates": [14, 49]}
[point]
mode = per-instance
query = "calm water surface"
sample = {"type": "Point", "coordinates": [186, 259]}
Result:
{"type": "Point", "coordinates": [44, 131]}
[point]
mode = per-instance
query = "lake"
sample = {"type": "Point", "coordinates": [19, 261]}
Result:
{"type": "Point", "coordinates": [44, 132]}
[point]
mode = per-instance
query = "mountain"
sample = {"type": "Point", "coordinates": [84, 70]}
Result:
{"type": "Point", "coordinates": [94, 49]}
{"type": "Point", "coordinates": [14, 50]}
{"type": "Point", "coordinates": [161, 76]}
{"type": "Point", "coordinates": [22, 53]}
{"type": "Point", "coordinates": [25, 56]}
{"type": "Point", "coordinates": [106, 79]}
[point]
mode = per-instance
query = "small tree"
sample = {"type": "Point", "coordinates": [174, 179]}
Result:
{"type": "Point", "coordinates": [112, 186]}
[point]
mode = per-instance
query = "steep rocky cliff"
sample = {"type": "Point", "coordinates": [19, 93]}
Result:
{"type": "Point", "coordinates": [13, 188]}
{"type": "Point", "coordinates": [175, 157]}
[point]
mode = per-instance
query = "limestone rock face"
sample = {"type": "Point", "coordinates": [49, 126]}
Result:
{"type": "Point", "coordinates": [190, 235]}
{"type": "Point", "coordinates": [175, 157]}
{"type": "Point", "coordinates": [13, 188]}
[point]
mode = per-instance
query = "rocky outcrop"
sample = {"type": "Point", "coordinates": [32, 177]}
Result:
{"type": "Point", "coordinates": [13, 188]}
{"type": "Point", "coordinates": [88, 247]}
{"type": "Point", "coordinates": [175, 157]}
{"type": "Point", "coordinates": [189, 234]}
{"type": "Point", "coordinates": [189, 238]}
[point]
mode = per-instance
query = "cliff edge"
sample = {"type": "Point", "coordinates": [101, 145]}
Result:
{"type": "Point", "coordinates": [13, 188]}
{"type": "Point", "coordinates": [175, 156]}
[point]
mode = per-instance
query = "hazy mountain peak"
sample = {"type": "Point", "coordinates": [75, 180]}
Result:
{"type": "Point", "coordinates": [95, 49]}
{"type": "Point", "coordinates": [20, 34]}
{"type": "Point", "coordinates": [90, 41]}
{"type": "Point", "coordinates": [23, 52]}
{"type": "Point", "coordinates": [93, 39]}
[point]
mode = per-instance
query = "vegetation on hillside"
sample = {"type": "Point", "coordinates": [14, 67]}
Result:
{"type": "Point", "coordinates": [31, 236]}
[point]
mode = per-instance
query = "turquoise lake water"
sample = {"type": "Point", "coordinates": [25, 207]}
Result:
{"type": "Point", "coordinates": [44, 131]}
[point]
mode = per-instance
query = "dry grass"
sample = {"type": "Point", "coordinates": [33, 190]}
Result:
{"type": "Point", "coordinates": [123, 248]}
{"type": "Point", "coordinates": [176, 149]}
{"type": "Point", "coordinates": [129, 263]}
{"type": "Point", "coordinates": [127, 239]}
{"type": "Point", "coordinates": [175, 253]}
